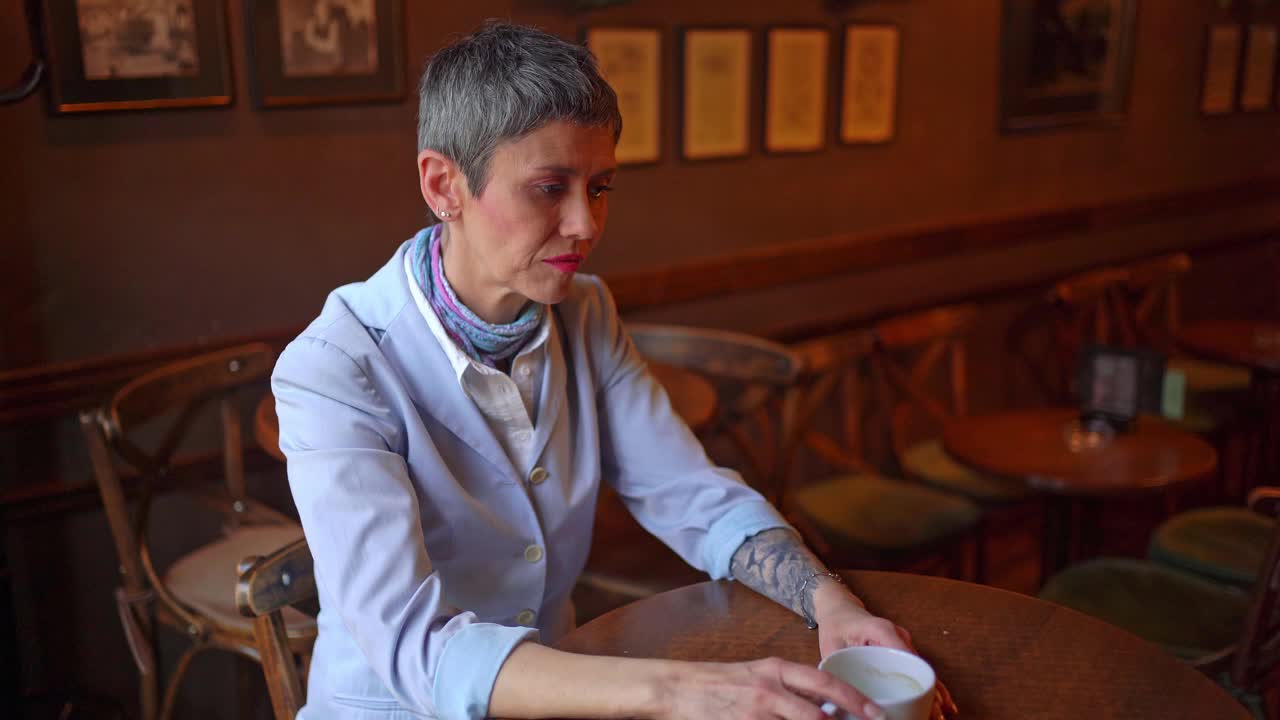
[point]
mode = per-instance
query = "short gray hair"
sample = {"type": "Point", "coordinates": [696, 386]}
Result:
{"type": "Point", "coordinates": [501, 83]}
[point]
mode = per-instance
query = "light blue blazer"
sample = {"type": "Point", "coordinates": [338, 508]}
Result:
{"type": "Point", "coordinates": [435, 555]}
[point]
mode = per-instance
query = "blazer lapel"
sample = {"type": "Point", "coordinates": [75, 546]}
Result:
{"type": "Point", "coordinates": [554, 386]}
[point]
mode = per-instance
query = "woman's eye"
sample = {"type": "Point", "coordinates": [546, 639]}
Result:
{"type": "Point", "coordinates": [551, 188]}
{"type": "Point", "coordinates": [599, 190]}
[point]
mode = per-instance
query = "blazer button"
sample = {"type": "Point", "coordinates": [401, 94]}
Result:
{"type": "Point", "coordinates": [538, 475]}
{"type": "Point", "coordinates": [532, 554]}
{"type": "Point", "coordinates": [526, 617]}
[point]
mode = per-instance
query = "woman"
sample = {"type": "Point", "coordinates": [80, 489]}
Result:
{"type": "Point", "coordinates": [448, 421]}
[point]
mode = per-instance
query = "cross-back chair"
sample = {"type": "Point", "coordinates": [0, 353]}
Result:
{"type": "Point", "coordinates": [1231, 634]}
{"type": "Point", "coordinates": [194, 595]}
{"type": "Point", "coordinates": [267, 587]}
{"type": "Point", "coordinates": [850, 513]}
{"type": "Point", "coordinates": [750, 376]}
{"type": "Point", "coordinates": [923, 360]}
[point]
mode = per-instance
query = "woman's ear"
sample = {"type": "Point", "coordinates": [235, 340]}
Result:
{"type": "Point", "coordinates": [442, 183]}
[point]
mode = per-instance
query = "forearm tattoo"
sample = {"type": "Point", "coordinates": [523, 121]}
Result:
{"type": "Point", "coordinates": [775, 564]}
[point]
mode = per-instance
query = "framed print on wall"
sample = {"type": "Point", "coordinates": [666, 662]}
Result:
{"type": "Point", "coordinates": [631, 61]}
{"type": "Point", "coordinates": [130, 55]}
{"type": "Point", "coordinates": [869, 84]}
{"type": "Point", "coordinates": [1065, 62]}
{"type": "Point", "coordinates": [1221, 69]}
{"type": "Point", "coordinates": [715, 93]}
{"type": "Point", "coordinates": [1258, 87]}
{"type": "Point", "coordinates": [796, 78]}
{"type": "Point", "coordinates": [316, 52]}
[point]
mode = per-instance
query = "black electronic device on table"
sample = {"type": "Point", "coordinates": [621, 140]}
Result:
{"type": "Point", "coordinates": [1116, 384]}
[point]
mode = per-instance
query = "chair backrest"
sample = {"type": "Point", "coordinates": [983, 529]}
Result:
{"type": "Point", "coordinates": [1152, 292]}
{"type": "Point", "coordinates": [908, 353]}
{"type": "Point", "coordinates": [1257, 653]}
{"type": "Point", "coordinates": [266, 586]}
{"type": "Point", "coordinates": [179, 389]}
{"type": "Point", "coordinates": [750, 376]}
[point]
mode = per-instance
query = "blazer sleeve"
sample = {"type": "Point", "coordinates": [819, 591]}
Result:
{"type": "Point", "coordinates": [657, 466]}
{"type": "Point", "coordinates": [359, 510]}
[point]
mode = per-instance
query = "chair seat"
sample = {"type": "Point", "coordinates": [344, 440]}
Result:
{"type": "Point", "coordinates": [932, 464]}
{"type": "Point", "coordinates": [1204, 376]}
{"type": "Point", "coordinates": [873, 512]}
{"type": "Point", "coordinates": [205, 579]}
{"type": "Point", "coordinates": [1187, 615]}
{"type": "Point", "coordinates": [1225, 544]}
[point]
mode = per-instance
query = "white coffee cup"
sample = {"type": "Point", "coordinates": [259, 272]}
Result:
{"type": "Point", "coordinates": [899, 682]}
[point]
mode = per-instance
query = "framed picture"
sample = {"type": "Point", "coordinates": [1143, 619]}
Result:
{"type": "Point", "coordinates": [869, 88]}
{"type": "Point", "coordinates": [716, 93]}
{"type": "Point", "coordinates": [797, 75]}
{"type": "Point", "coordinates": [631, 60]}
{"type": "Point", "coordinates": [1223, 48]}
{"type": "Point", "coordinates": [135, 55]}
{"type": "Point", "coordinates": [317, 52]}
{"type": "Point", "coordinates": [1258, 86]}
{"type": "Point", "coordinates": [1065, 62]}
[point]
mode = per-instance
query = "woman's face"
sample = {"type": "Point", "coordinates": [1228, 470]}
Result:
{"type": "Point", "coordinates": [540, 215]}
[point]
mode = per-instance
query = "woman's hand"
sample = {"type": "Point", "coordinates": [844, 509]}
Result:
{"type": "Point", "coordinates": [770, 688]}
{"type": "Point", "coordinates": [844, 622]}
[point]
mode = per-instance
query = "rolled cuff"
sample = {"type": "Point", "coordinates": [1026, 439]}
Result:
{"type": "Point", "coordinates": [728, 533]}
{"type": "Point", "coordinates": [469, 666]}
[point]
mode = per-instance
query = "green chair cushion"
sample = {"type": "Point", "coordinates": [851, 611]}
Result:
{"type": "Point", "coordinates": [1189, 616]}
{"type": "Point", "coordinates": [878, 513]}
{"type": "Point", "coordinates": [1212, 377]}
{"type": "Point", "coordinates": [931, 463]}
{"type": "Point", "coordinates": [1224, 544]}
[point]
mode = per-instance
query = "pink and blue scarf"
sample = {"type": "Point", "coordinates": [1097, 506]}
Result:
{"type": "Point", "coordinates": [481, 341]}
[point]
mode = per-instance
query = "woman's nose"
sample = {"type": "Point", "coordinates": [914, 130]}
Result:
{"type": "Point", "coordinates": [579, 220]}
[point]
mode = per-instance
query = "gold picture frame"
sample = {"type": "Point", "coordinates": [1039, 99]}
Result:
{"type": "Point", "coordinates": [1219, 84]}
{"type": "Point", "coordinates": [1258, 84]}
{"type": "Point", "coordinates": [715, 93]}
{"type": "Point", "coordinates": [630, 58]}
{"type": "Point", "coordinates": [797, 75]}
{"type": "Point", "coordinates": [869, 84]}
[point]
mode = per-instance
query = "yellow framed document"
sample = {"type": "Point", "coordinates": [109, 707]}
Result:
{"type": "Point", "coordinates": [1258, 88]}
{"type": "Point", "coordinates": [796, 81]}
{"type": "Point", "coordinates": [716, 93]}
{"type": "Point", "coordinates": [870, 86]}
{"type": "Point", "coordinates": [1221, 67]}
{"type": "Point", "coordinates": [631, 60]}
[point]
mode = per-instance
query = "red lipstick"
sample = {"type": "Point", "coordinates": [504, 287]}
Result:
{"type": "Point", "coordinates": [565, 263]}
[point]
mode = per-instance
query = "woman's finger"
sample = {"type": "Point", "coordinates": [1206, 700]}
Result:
{"type": "Point", "coordinates": [948, 702]}
{"type": "Point", "coordinates": [820, 686]}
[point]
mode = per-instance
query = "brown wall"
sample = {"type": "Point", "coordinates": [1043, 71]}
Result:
{"type": "Point", "coordinates": [129, 231]}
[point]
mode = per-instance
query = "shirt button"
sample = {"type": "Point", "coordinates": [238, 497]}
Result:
{"type": "Point", "coordinates": [525, 371]}
{"type": "Point", "coordinates": [538, 475]}
{"type": "Point", "coordinates": [526, 617]}
{"type": "Point", "coordinates": [532, 554]}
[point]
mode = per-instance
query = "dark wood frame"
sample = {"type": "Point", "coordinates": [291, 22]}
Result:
{"type": "Point", "coordinates": [663, 81]}
{"type": "Point", "coordinates": [71, 92]}
{"type": "Point", "coordinates": [767, 90]}
{"type": "Point", "coordinates": [682, 85]}
{"type": "Point", "coordinates": [271, 88]}
{"type": "Point", "coordinates": [1018, 114]}
{"type": "Point", "coordinates": [1273, 99]}
{"type": "Point", "coordinates": [1204, 67]}
{"type": "Point", "coordinates": [840, 80]}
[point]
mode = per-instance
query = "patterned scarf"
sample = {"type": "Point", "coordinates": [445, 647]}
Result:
{"type": "Point", "coordinates": [481, 341]}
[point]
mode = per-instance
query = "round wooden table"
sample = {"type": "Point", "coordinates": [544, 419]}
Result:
{"type": "Point", "coordinates": [692, 397]}
{"type": "Point", "coordinates": [1002, 655]}
{"type": "Point", "coordinates": [1252, 345]}
{"type": "Point", "coordinates": [1032, 446]}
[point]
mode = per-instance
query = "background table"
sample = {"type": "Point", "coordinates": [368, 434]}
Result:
{"type": "Point", "coordinates": [692, 396]}
{"type": "Point", "coordinates": [1031, 445]}
{"type": "Point", "coordinates": [1002, 655]}
{"type": "Point", "coordinates": [1252, 345]}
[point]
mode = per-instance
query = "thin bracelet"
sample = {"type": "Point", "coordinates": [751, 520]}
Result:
{"type": "Point", "coordinates": [809, 622]}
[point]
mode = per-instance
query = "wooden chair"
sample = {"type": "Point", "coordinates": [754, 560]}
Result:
{"type": "Point", "coordinates": [266, 589]}
{"type": "Point", "coordinates": [194, 594]}
{"type": "Point", "coordinates": [858, 517]}
{"type": "Point", "coordinates": [1226, 632]}
{"type": "Point", "coordinates": [1225, 544]}
{"type": "Point", "coordinates": [922, 358]}
{"type": "Point", "coordinates": [750, 376]}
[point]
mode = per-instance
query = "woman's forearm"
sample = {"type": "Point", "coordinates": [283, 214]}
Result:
{"type": "Point", "coordinates": [775, 563]}
{"type": "Point", "coordinates": [535, 682]}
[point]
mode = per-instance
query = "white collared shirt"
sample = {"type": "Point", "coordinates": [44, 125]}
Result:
{"type": "Point", "coordinates": [509, 403]}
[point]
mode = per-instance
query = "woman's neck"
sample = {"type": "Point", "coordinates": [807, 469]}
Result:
{"type": "Point", "coordinates": [492, 304]}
